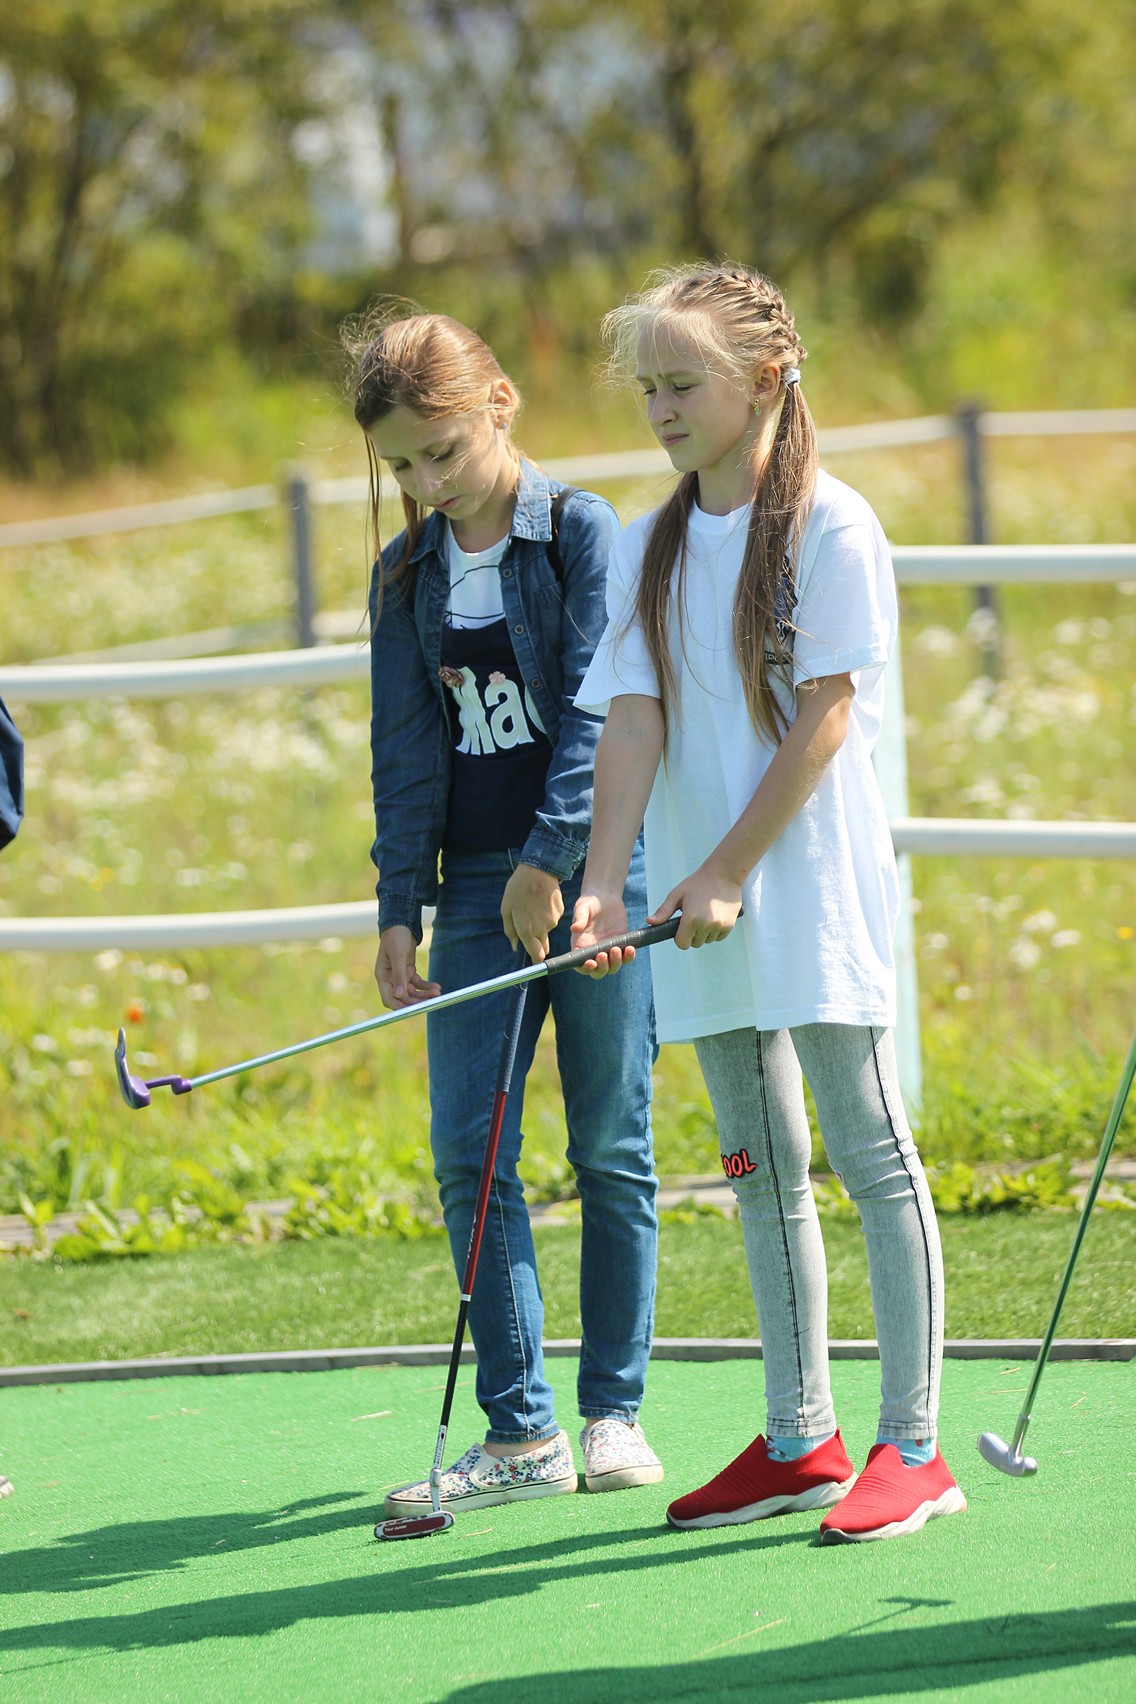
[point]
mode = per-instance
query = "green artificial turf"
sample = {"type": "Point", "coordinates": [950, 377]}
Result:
{"type": "Point", "coordinates": [1002, 1276]}
{"type": "Point", "coordinates": [210, 1539]}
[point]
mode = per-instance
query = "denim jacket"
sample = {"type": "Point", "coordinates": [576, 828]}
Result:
{"type": "Point", "coordinates": [555, 623]}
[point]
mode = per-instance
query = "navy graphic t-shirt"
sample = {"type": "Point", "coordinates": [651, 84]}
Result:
{"type": "Point", "coordinates": [501, 750]}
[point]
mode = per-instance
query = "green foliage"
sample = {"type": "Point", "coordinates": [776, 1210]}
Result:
{"type": "Point", "coordinates": [147, 185]}
{"type": "Point", "coordinates": [347, 1204]}
{"type": "Point", "coordinates": [960, 1188]}
{"type": "Point", "coordinates": [689, 1211]}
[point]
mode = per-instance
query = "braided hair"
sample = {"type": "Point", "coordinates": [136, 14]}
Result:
{"type": "Point", "coordinates": [738, 322]}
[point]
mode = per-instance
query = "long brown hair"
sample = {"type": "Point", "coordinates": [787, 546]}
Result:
{"type": "Point", "coordinates": [428, 363]}
{"type": "Point", "coordinates": [738, 322]}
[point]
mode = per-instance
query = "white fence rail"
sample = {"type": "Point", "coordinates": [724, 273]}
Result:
{"type": "Point", "coordinates": [839, 440]}
{"type": "Point", "coordinates": [922, 565]}
{"type": "Point", "coordinates": [924, 836]}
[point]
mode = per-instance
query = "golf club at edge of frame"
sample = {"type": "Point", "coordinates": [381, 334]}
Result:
{"type": "Point", "coordinates": [1008, 1458]}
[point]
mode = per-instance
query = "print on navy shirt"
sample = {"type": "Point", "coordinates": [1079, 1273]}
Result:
{"type": "Point", "coordinates": [501, 749]}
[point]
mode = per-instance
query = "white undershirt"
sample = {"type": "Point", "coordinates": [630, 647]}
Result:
{"type": "Point", "coordinates": [475, 584]}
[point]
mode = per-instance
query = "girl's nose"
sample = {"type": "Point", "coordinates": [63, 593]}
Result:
{"type": "Point", "coordinates": [660, 410]}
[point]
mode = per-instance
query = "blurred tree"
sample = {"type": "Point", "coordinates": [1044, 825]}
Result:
{"type": "Point", "coordinates": [778, 134]}
{"type": "Point", "coordinates": [148, 188]}
{"type": "Point", "coordinates": [178, 175]}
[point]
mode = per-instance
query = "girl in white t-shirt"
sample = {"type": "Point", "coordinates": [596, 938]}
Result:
{"type": "Point", "coordinates": [750, 619]}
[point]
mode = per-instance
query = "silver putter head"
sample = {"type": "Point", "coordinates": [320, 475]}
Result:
{"type": "Point", "coordinates": [1000, 1455]}
{"type": "Point", "coordinates": [415, 1526]}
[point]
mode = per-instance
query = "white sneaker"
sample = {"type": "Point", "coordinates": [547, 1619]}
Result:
{"type": "Point", "coordinates": [477, 1480]}
{"type": "Point", "coordinates": [617, 1456]}
{"type": "Point", "coordinates": [6, 1486]}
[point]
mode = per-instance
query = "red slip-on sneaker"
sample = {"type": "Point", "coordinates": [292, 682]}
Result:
{"type": "Point", "coordinates": [753, 1487]}
{"type": "Point", "coordinates": [891, 1499]}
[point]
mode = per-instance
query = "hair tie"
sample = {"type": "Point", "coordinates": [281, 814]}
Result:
{"type": "Point", "coordinates": [791, 376]}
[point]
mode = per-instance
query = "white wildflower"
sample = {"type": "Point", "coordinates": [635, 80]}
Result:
{"type": "Point", "coordinates": [936, 642]}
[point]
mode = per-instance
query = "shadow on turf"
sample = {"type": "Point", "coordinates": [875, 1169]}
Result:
{"type": "Point", "coordinates": [855, 1663]}
{"type": "Point", "coordinates": [899, 1662]}
{"type": "Point", "coordinates": [131, 1550]}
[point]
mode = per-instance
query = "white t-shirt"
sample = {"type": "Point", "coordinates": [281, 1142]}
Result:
{"type": "Point", "coordinates": [475, 583]}
{"type": "Point", "coordinates": [814, 941]}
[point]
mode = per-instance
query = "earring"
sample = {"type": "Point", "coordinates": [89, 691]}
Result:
{"type": "Point", "coordinates": [756, 406]}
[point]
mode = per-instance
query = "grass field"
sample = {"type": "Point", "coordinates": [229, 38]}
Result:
{"type": "Point", "coordinates": [211, 1539]}
{"type": "Point", "coordinates": [1026, 968]}
{"type": "Point", "coordinates": [1002, 1273]}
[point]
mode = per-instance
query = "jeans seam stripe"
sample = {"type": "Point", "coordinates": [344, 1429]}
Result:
{"type": "Point", "coordinates": [931, 1316]}
{"type": "Point", "coordinates": [780, 1218]}
{"type": "Point", "coordinates": [513, 1302]}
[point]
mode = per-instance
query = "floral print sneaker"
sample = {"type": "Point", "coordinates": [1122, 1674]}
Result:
{"type": "Point", "coordinates": [617, 1455]}
{"type": "Point", "coordinates": [477, 1480]}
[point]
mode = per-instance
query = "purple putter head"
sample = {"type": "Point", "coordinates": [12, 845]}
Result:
{"type": "Point", "coordinates": [135, 1091]}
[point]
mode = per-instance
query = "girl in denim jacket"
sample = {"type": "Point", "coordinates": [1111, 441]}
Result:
{"type": "Point", "coordinates": [752, 617]}
{"type": "Point", "coordinates": [485, 611]}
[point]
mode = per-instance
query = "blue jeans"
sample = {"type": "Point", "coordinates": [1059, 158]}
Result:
{"type": "Point", "coordinates": [605, 1047]}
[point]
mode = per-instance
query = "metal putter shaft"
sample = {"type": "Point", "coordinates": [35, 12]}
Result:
{"type": "Point", "coordinates": [136, 1090]}
{"type": "Point", "coordinates": [1008, 1458]}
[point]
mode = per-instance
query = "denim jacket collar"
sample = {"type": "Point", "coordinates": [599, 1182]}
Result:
{"type": "Point", "coordinates": [532, 516]}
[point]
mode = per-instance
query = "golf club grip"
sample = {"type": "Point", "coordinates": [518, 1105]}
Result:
{"type": "Point", "coordinates": [646, 937]}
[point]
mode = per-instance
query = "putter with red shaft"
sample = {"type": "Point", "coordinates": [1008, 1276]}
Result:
{"type": "Point", "coordinates": [421, 1526]}
{"type": "Point", "coordinates": [136, 1090]}
{"type": "Point", "coordinates": [1008, 1458]}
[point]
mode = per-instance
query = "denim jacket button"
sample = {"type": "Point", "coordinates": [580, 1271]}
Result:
{"type": "Point", "coordinates": [518, 628]}
{"type": "Point", "coordinates": [535, 681]}
{"type": "Point", "coordinates": [506, 573]}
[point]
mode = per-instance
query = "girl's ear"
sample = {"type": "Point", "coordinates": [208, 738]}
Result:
{"type": "Point", "coordinates": [503, 401]}
{"type": "Point", "coordinates": [767, 383]}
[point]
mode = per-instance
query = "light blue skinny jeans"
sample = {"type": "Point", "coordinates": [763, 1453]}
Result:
{"type": "Point", "coordinates": [604, 1051]}
{"type": "Point", "coordinates": [754, 1080]}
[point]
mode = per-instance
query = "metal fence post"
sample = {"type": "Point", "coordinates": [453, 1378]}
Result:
{"type": "Point", "coordinates": [989, 626]}
{"type": "Point", "coordinates": [298, 499]}
{"type": "Point", "coordinates": [890, 762]}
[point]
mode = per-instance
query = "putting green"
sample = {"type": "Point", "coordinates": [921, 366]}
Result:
{"type": "Point", "coordinates": [210, 1538]}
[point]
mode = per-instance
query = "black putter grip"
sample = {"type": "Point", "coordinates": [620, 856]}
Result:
{"type": "Point", "coordinates": [647, 937]}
